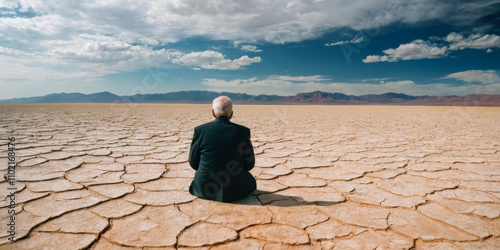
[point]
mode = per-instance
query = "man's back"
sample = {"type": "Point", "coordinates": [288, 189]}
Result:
{"type": "Point", "coordinates": [222, 154]}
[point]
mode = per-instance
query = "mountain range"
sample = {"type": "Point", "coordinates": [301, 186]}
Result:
{"type": "Point", "coordinates": [316, 97]}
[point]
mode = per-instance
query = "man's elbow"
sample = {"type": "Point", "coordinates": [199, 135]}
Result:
{"type": "Point", "coordinates": [250, 163]}
{"type": "Point", "coordinates": [194, 164]}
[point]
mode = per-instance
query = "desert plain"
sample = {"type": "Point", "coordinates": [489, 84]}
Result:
{"type": "Point", "coordinates": [115, 176]}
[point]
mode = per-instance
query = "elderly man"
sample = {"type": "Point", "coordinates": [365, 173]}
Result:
{"type": "Point", "coordinates": [222, 154]}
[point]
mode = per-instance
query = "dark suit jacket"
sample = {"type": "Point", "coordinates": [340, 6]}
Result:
{"type": "Point", "coordinates": [222, 154]}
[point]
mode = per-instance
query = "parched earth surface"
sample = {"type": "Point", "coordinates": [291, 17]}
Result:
{"type": "Point", "coordinates": [109, 176]}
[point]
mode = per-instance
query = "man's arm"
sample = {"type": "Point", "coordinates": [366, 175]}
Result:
{"type": "Point", "coordinates": [194, 152]}
{"type": "Point", "coordinates": [246, 149]}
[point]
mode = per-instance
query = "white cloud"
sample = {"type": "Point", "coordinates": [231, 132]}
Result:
{"type": "Point", "coordinates": [271, 83]}
{"type": "Point", "coordinates": [149, 41]}
{"type": "Point", "coordinates": [17, 68]}
{"type": "Point", "coordinates": [479, 76]}
{"type": "Point", "coordinates": [45, 25]}
{"type": "Point", "coordinates": [420, 49]}
{"type": "Point", "coordinates": [291, 85]}
{"type": "Point", "coordinates": [98, 55]}
{"type": "Point", "coordinates": [313, 78]}
{"type": "Point", "coordinates": [214, 60]}
{"type": "Point", "coordinates": [375, 58]}
{"type": "Point", "coordinates": [474, 41]}
{"type": "Point", "coordinates": [251, 48]}
{"type": "Point", "coordinates": [277, 21]}
{"type": "Point", "coordinates": [93, 38]}
{"type": "Point", "coordinates": [11, 51]}
{"type": "Point", "coordinates": [415, 50]}
{"type": "Point", "coordinates": [375, 79]}
{"type": "Point", "coordinates": [354, 40]}
{"type": "Point", "coordinates": [92, 56]}
{"type": "Point", "coordinates": [246, 47]}
{"type": "Point", "coordinates": [8, 12]}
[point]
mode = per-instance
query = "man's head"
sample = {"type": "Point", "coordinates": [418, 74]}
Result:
{"type": "Point", "coordinates": [222, 106]}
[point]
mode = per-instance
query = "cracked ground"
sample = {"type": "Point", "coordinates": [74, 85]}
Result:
{"type": "Point", "coordinates": [115, 176]}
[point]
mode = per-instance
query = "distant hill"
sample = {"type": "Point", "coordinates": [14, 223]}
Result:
{"type": "Point", "coordinates": [316, 97]}
{"type": "Point", "coordinates": [185, 96]}
{"type": "Point", "coordinates": [68, 98]}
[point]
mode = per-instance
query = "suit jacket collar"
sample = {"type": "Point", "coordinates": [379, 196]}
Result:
{"type": "Point", "coordinates": [222, 119]}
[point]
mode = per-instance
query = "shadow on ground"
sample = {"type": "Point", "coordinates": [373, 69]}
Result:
{"type": "Point", "coordinates": [265, 198]}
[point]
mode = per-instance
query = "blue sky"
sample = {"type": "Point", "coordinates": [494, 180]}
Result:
{"type": "Point", "coordinates": [417, 47]}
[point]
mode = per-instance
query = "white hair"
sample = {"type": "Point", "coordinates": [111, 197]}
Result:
{"type": "Point", "coordinates": [222, 106]}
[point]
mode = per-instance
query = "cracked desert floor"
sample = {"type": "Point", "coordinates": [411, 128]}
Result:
{"type": "Point", "coordinates": [109, 176]}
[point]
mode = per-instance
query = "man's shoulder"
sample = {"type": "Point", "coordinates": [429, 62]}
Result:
{"type": "Point", "coordinates": [202, 126]}
{"type": "Point", "coordinates": [241, 127]}
{"type": "Point", "coordinates": [213, 124]}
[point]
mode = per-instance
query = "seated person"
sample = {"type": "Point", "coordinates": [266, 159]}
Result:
{"type": "Point", "coordinates": [222, 154]}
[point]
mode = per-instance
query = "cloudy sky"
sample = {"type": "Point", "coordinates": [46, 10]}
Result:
{"type": "Point", "coordinates": [417, 47]}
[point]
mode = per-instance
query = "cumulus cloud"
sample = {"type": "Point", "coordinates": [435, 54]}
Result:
{"type": "Point", "coordinates": [415, 50]}
{"type": "Point", "coordinates": [474, 41]}
{"type": "Point", "coordinates": [354, 40]}
{"type": "Point", "coordinates": [375, 58]}
{"type": "Point", "coordinates": [420, 49]}
{"type": "Point", "coordinates": [96, 38]}
{"type": "Point", "coordinates": [45, 25]}
{"type": "Point", "coordinates": [11, 51]}
{"type": "Point", "coordinates": [214, 60]}
{"type": "Point", "coordinates": [97, 55]}
{"type": "Point", "coordinates": [251, 48]}
{"type": "Point", "coordinates": [246, 47]}
{"type": "Point", "coordinates": [149, 41]}
{"type": "Point", "coordinates": [291, 85]}
{"type": "Point", "coordinates": [479, 76]}
{"type": "Point", "coordinates": [277, 21]}
{"type": "Point", "coordinates": [271, 83]}
{"type": "Point", "coordinates": [94, 56]}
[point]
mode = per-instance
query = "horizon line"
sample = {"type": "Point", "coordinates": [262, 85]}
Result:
{"type": "Point", "coordinates": [243, 93]}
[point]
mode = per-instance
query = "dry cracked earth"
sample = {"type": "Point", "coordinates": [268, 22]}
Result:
{"type": "Point", "coordinates": [98, 176]}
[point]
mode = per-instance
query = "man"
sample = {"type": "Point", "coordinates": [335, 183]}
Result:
{"type": "Point", "coordinates": [222, 154]}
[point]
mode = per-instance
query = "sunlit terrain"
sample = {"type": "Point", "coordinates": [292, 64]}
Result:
{"type": "Point", "coordinates": [110, 175]}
